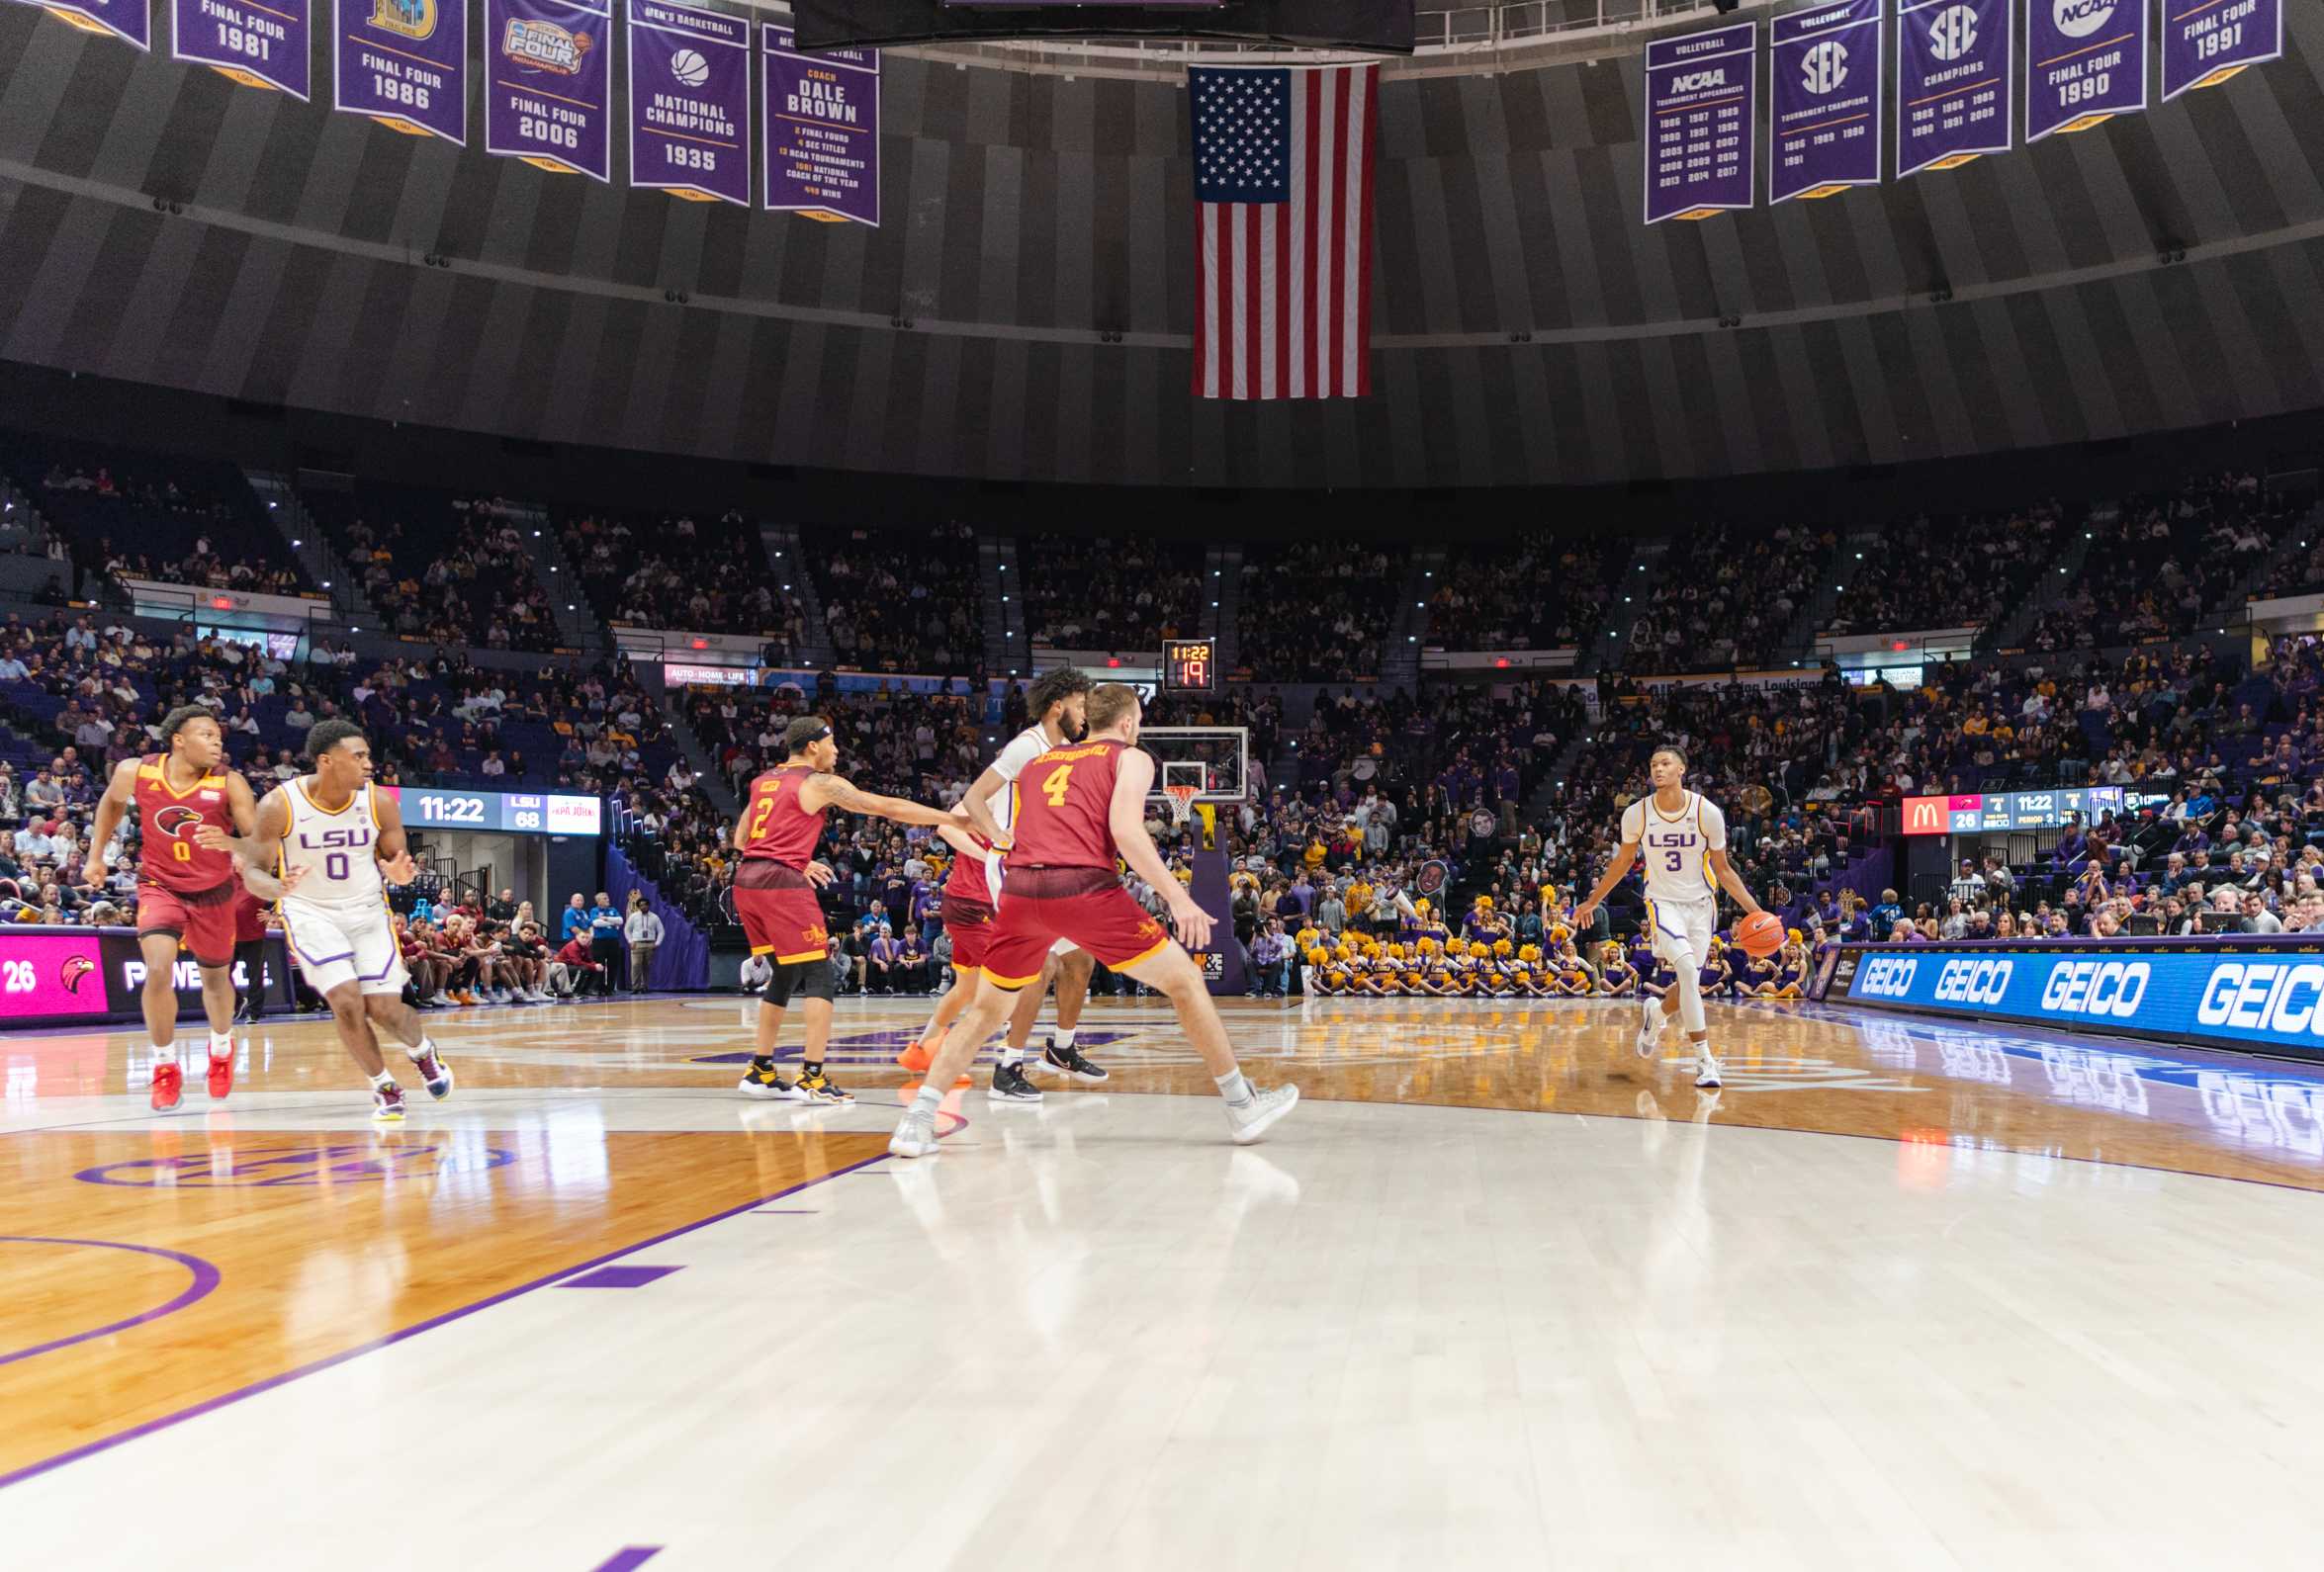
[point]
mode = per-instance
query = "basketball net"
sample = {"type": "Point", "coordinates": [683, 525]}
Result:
{"type": "Point", "coordinates": [1182, 801]}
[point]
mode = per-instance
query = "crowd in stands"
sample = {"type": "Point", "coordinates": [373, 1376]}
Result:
{"type": "Point", "coordinates": [1723, 597]}
{"type": "Point", "coordinates": [446, 570]}
{"type": "Point", "coordinates": [2157, 562]}
{"type": "Point", "coordinates": [123, 516]}
{"type": "Point", "coordinates": [897, 601]}
{"type": "Point", "coordinates": [1949, 572]}
{"type": "Point", "coordinates": [707, 575]}
{"type": "Point", "coordinates": [1115, 595]}
{"type": "Point", "coordinates": [1547, 594]}
{"type": "Point", "coordinates": [1318, 611]}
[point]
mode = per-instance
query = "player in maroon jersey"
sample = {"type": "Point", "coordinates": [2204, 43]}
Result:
{"type": "Point", "coordinates": [968, 918]}
{"type": "Point", "coordinates": [185, 890]}
{"type": "Point", "coordinates": [774, 895]}
{"type": "Point", "coordinates": [1078, 807]}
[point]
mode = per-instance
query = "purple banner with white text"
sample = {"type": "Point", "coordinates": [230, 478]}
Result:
{"type": "Point", "coordinates": [132, 19]}
{"type": "Point", "coordinates": [689, 101]}
{"type": "Point", "coordinates": [1953, 82]}
{"type": "Point", "coordinates": [1825, 75]}
{"type": "Point", "coordinates": [1702, 96]}
{"type": "Point", "coordinates": [2206, 41]}
{"type": "Point", "coordinates": [2085, 63]}
{"type": "Point", "coordinates": [259, 46]}
{"type": "Point", "coordinates": [405, 64]}
{"type": "Point", "coordinates": [548, 64]}
{"type": "Point", "coordinates": [822, 130]}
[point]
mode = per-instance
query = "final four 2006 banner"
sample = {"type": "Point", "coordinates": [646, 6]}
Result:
{"type": "Point", "coordinates": [547, 67]}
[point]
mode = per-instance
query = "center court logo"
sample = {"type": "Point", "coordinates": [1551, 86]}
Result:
{"type": "Point", "coordinates": [1826, 67]}
{"type": "Point", "coordinates": [1953, 33]}
{"type": "Point", "coordinates": [2079, 19]}
{"type": "Point", "coordinates": [413, 19]}
{"type": "Point", "coordinates": [544, 46]}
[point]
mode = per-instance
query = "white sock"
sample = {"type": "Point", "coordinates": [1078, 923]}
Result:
{"type": "Point", "coordinates": [1061, 1037]}
{"type": "Point", "coordinates": [927, 1103]}
{"type": "Point", "coordinates": [385, 1078]}
{"type": "Point", "coordinates": [1234, 1088]}
{"type": "Point", "coordinates": [222, 1045]}
{"type": "Point", "coordinates": [415, 1055]}
{"type": "Point", "coordinates": [1012, 1056]}
{"type": "Point", "coordinates": [165, 1054]}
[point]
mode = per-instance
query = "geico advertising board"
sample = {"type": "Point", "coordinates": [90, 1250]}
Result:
{"type": "Point", "coordinates": [2232, 996]}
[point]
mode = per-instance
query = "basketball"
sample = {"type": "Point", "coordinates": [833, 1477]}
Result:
{"type": "Point", "coordinates": [1759, 935]}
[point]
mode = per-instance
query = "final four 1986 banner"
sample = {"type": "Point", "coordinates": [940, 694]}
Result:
{"type": "Point", "coordinates": [257, 42]}
{"type": "Point", "coordinates": [822, 130]}
{"type": "Point", "coordinates": [405, 64]}
{"type": "Point", "coordinates": [2206, 41]}
{"type": "Point", "coordinates": [113, 19]}
{"type": "Point", "coordinates": [2085, 63]}
{"type": "Point", "coordinates": [689, 101]}
{"type": "Point", "coordinates": [1701, 95]}
{"type": "Point", "coordinates": [1825, 67]}
{"type": "Point", "coordinates": [547, 64]}
{"type": "Point", "coordinates": [1953, 82]}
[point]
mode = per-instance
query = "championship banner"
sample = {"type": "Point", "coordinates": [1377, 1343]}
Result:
{"type": "Point", "coordinates": [2206, 41]}
{"type": "Point", "coordinates": [822, 130]}
{"type": "Point", "coordinates": [2085, 63]}
{"type": "Point", "coordinates": [1954, 69]}
{"type": "Point", "coordinates": [256, 45]}
{"type": "Point", "coordinates": [1825, 72]}
{"type": "Point", "coordinates": [405, 64]}
{"type": "Point", "coordinates": [548, 69]}
{"type": "Point", "coordinates": [689, 101]}
{"type": "Point", "coordinates": [1702, 113]}
{"type": "Point", "coordinates": [129, 19]}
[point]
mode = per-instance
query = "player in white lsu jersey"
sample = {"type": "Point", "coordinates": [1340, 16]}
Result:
{"type": "Point", "coordinates": [344, 839]}
{"type": "Point", "coordinates": [1055, 701]}
{"type": "Point", "coordinates": [1683, 839]}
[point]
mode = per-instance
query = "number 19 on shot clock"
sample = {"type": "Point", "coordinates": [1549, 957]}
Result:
{"type": "Point", "coordinates": [1188, 665]}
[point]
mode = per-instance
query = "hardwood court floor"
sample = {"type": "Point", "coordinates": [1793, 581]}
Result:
{"type": "Point", "coordinates": [1500, 1293]}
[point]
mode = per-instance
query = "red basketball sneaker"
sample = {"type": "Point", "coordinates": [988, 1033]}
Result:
{"type": "Point", "coordinates": [221, 1074]}
{"type": "Point", "coordinates": [169, 1086]}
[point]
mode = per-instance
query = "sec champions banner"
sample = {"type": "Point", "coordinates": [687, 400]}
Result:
{"type": "Point", "coordinates": [132, 19]}
{"type": "Point", "coordinates": [2206, 41]}
{"type": "Point", "coordinates": [2085, 63]}
{"type": "Point", "coordinates": [1825, 68]}
{"type": "Point", "coordinates": [1702, 95]}
{"type": "Point", "coordinates": [256, 44]}
{"type": "Point", "coordinates": [547, 68]}
{"type": "Point", "coordinates": [405, 64]}
{"type": "Point", "coordinates": [1954, 63]}
{"type": "Point", "coordinates": [822, 130]}
{"type": "Point", "coordinates": [689, 101]}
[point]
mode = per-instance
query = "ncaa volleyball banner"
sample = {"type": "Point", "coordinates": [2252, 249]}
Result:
{"type": "Point", "coordinates": [1955, 67]}
{"type": "Point", "coordinates": [547, 68]}
{"type": "Point", "coordinates": [257, 45]}
{"type": "Point", "coordinates": [822, 130]}
{"type": "Point", "coordinates": [1702, 114]}
{"type": "Point", "coordinates": [405, 64]}
{"type": "Point", "coordinates": [131, 20]}
{"type": "Point", "coordinates": [2085, 63]}
{"type": "Point", "coordinates": [689, 101]}
{"type": "Point", "coordinates": [1824, 71]}
{"type": "Point", "coordinates": [2206, 41]}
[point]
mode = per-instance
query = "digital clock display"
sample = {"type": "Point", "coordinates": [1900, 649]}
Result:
{"type": "Point", "coordinates": [504, 813]}
{"type": "Point", "coordinates": [1190, 666]}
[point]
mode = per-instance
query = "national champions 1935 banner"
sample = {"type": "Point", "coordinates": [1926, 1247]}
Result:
{"type": "Point", "coordinates": [1824, 71]}
{"type": "Point", "coordinates": [403, 63]}
{"type": "Point", "coordinates": [822, 130]}
{"type": "Point", "coordinates": [259, 44]}
{"type": "Point", "coordinates": [1702, 97]}
{"type": "Point", "coordinates": [1953, 82]}
{"type": "Point", "coordinates": [548, 64]}
{"type": "Point", "coordinates": [689, 101]}
{"type": "Point", "coordinates": [2085, 63]}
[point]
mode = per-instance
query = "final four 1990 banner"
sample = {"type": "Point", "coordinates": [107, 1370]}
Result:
{"type": "Point", "coordinates": [1826, 71]}
{"type": "Point", "coordinates": [405, 64]}
{"type": "Point", "coordinates": [547, 64]}
{"type": "Point", "coordinates": [689, 101]}
{"type": "Point", "coordinates": [257, 42]}
{"type": "Point", "coordinates": [2085, 63]}
{"type": "Point", "coordinates": [822, 130]}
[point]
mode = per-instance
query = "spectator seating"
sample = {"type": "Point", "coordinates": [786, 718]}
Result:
{"type": "Point", "coordinates": [448, 569]}
{"type": "Point", "coordinates": [689, 572]}
{"type": "Point", "coordinates": [1317, 611]}
{"type": "Point", "coordinates": [1951, 572]}
{"type": "Point", "coordinates": [1115, 595]}
{"type": "Point", "coordinates": [1721, 597]}
{"type": "Point", "coordinates": [896, 600]}
{"type": "Point", "coordinates": [1533, 594]}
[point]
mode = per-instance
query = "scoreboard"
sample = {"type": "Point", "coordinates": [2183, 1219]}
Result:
{"type": "Point", "coordinates": [1190, 666]}
{"type": "Point", "coordinates": [506, 813]}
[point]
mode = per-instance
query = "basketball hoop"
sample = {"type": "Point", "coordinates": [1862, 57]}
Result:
{"type": "Point", "coordinates": [1182, 801]}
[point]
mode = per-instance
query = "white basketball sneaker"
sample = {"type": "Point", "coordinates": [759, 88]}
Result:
{"type": "Point", "coordinates": [1650, 1026]}
{"type": "Point", "coordinates": [1706, 1067]}
{"type": "Point", "coordinates": [1250, 1121]}
{"type": "Point", "coordinates": [914, 1137]}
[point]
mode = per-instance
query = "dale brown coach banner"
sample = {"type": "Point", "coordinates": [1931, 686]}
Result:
{"type": "Point", "coordinates": [256, 42]}
{"type": "Point", "coordinates": [2085, 63]}
{"type": "Point", "coordinates": [2206, 41]}
{"type": "Point", "coordinates": [405, 64]}
{"type": "Point", "coordinates": [1824, 71]}
{"type": "Point", "coordinates": [132, 19]}
{"type": "Point", "coordinates": [689, 101]}
{"type": "Point", "coordinates": [822, 130]}
{"type": "Point", "coordinates": [1702, 114]}
{"type": "Point", "coordinates": [1954, 74]}
{"type": "Point", "coordinates": [547, 68]}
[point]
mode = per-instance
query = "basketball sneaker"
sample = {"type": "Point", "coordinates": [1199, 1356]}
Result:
{"type": "Point", "coordinates": [1069, 1062]}
{"type": "Point", "coordinates": [221, 1074]}
{"type": "Point", "coordinates": [434, 1073]}
{"type": "Point", "coordinates": [915, 1058]}
{"type": "Point", "coordinates": [169, 1088]}
{"type": "Point", "coordinates": [762, 1081]}
{"type": "Point", "coordinates": [914, 1137]}
{"type": "Point", "coordinates": [387, 1104]}
{"type": "Point", "coordinates": [1011, 1085]}
{"type": "Point", "coordinates": [1706, 1067]}
{"type": "Point", "coordinates": [817, 1088]}
{"type": "Point", "coordinates": [1250, 1121]}
{"type": "Point", "coordinates": [1649, 1025]}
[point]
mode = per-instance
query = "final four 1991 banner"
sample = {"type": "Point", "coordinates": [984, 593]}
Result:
{"type": "Point", "coordinates": [405, 64]}
{"type": "Point", "coordinates": [257, 42]}
{"type": "Point", "coordinates": [689, 101]}
{"type": "Point", "coordinates": [547, 65]}
{"type": "Point", "coordinates": [822, 130]}
{"type": "Point", "coordinates": [2206, 41]}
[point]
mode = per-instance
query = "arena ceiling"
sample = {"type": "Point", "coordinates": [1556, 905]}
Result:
{"type": "Point", "coordinates": [162, 225]}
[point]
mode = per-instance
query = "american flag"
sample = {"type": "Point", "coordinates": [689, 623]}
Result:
{"type": "Point", "coordinates": [1283, 203]}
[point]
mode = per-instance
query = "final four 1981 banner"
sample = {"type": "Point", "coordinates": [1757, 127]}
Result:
{"type": "Point", "coordinates": [257, 42]}
{"type": "Point", "coordinates": [547, 64]}
{"type": "Point", "coordinates": [822, 130]}
{"type": "Point", "coordinates": [689, 101]}
{"type": "Point", "coordinates": [1826, 71]}
{"type": "Point", "coordinates": [405, 64]}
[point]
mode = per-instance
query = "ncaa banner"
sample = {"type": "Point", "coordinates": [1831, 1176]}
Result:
{"type": "Point", "coordinates": [253, 43]}
{"type": "Point", "coordinates": [689, 101]}
{"type": "Point", "coordinates": [1702, 114]}
{"type": "Point", "coordinates": [1954, 65]}
{"type": "Point", "coordinates": [1825, 73]}
{"type": "Point", "coordinates": [129, 19]}
{"type": "Point", "coordinates": [2205, 44]}
{"type": "Point", "coordinates": [2085, 63]}
{"type": "Point", "coordinates": [547, 73]}
{"type": "Point", "coordinates": [405, 64]}
{"type": "Point", "coordinates": [822, 130]}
